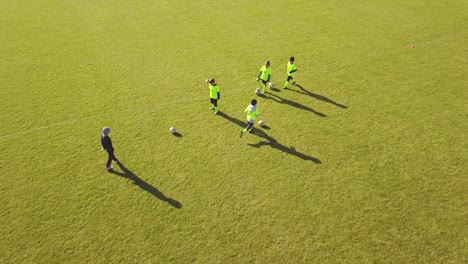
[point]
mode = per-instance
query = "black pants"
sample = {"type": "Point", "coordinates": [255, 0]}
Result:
{"type": "Point", "coordinates": [111, 158]}
{"type": "Point", "coordinates": [214, 102]}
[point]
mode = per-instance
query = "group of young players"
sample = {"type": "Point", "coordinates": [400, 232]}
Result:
{"type": "Point", "coordinates": [263, 80]}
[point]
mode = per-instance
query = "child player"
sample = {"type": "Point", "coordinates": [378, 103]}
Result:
{"type": "Point", "coordinates": [214, 95]}
{"type": "Point", "coordinates": [264, 76]}
{"type": "Point", "coordinates": [106, 143]}
{"type": "Point", "coordinates": [252, 112]}
{"type": "Point", "coordinates": [291, 70]}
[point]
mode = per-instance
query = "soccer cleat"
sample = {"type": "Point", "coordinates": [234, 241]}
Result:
{"type": "Point", "coordinates": [241, 134]}
{"type": "Point", "coordinates": [110, 168]}
{"type": "Point", "coordinates": [215, 113]}
{"type": "Point", "coordinates": [211, 108]}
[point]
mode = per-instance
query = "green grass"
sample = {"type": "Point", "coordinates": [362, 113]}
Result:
{"type": "Point", "coordinates": [367, 164]}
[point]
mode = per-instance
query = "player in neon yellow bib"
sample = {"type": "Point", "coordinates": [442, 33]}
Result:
{"type": "Point", "coordinates": [214, 95]}
{"type": "Point", "coordinates": [290, 70]}
{"type": "Point", "coordinates": [264, 76]}
{"type": "Point", "coordinates": [252, 112]}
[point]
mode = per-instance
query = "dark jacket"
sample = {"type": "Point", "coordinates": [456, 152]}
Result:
{"type": "Point", "coordinates": [106, 142]}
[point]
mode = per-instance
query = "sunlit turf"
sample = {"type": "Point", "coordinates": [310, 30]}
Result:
{"type": "Point", "coordinates": [363, 161]}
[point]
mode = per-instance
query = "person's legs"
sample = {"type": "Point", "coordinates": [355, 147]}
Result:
{"type": "Point", "coordinates": [259, 84]}
{"type": "Point", "coordinates": [264, 86]}
{"type": "Point", "coordinates": [114, 158]}
{"type": "Point", "coordinates": [248, 128]}
{"type": "Point", "coordinates": [109, 159]}
{"type": "Point", "coordinates": [287, 82]}
{"type": "Point", "coordinates": [212, 105]}
{"type": "Point", "coordinates": [215, 104]}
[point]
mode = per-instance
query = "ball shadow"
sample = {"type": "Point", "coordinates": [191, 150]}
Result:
{"type": "Point", "coordinates": [177, 134]}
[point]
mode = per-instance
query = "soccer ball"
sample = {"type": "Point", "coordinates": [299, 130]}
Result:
{"type": "Point", "coordinates": [261, 123]}
{"type": "Point", "coordinates": [257, 92]}
{"type": "Point", "coordinates": [271, 85]}
{"type": "Point", "coordinates": [172, 130]}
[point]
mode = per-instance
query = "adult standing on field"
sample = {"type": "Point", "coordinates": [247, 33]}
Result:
{"type": "Point", "coordinates": [291, 69]}
{"type": "Point", "coordinates": [214, 94]}
{"type": "Point", "coordinates": [252, 112]}
{"type": "Point", "coordinates": [264, 77]}
{"type": "Point", "coordinates": [106, 143]}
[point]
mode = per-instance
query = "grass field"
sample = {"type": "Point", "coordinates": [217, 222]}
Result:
{"type": "Point", "coordinates": [365, 162]}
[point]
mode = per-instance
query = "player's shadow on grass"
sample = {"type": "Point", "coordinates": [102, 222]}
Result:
{"type": "Point", "coordinates": [146, 186]}
{"type": "Point", "coordinates": [317, 96]}
{"type": "Point", "coordinates": [282, 100]}
{"type": "Point", "coordinates": [238, 122]}
{"type": "Point", "coordinates": [270, 141]}
{"type": "Point", "coordinates": [232, 119]}
{"type": "Point", "coordinates": [276, 145]}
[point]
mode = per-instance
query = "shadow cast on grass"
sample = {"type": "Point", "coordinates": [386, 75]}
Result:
{"type": "Point", "coordinates": [282, 100]}
{"type": "Point", "coordinates": [232, 119]}
{"type": "Point", "coordinates": [317, 96]}
{"type": "Point", "coordinates": [275, 90]}
{"type": "Point", "coordinates": [238, 122]}
{"type": "Point", "coordinates": [146, 186]}
{"type": "Point", "coordinates": [177, 134]}
{"type": "Point", "coordinates": [270, 141]}
{"type": "Point", "coordinates": [276, 145]}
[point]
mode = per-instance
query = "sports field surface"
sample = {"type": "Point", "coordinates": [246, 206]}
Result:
{"type": "Point", "coordinates": [365, 161]}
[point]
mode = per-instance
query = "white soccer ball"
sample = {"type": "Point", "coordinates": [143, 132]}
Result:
{"type": "Point", "coordinates": [261, 123]}
{"type": "Point", "coordinates": [172, 130]}
{"type": "Point", "coordinates": [271, 85]}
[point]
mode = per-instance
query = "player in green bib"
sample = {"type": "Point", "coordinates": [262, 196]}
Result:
{"type": "Point", "coordinates": [290, 70]}
{"type": "Point", "coordinates": [252, 112]}
{"type": "Point", "coordinates": [214, 95]}
{"type": "Point", "coordinates": [264, 77]}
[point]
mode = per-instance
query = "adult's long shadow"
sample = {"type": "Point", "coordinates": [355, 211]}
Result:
{"type": "Point", "coordinates": [282, 100]}
{"type": "Point", "coordinates": [275, 144]}
{"type": "Point", "coordinates": [317, 96]}
{"type": "Point", "coordinates": [146, 186]}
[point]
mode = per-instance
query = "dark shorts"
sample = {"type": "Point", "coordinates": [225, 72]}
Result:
{"type": "Point", "coordinates": [214, 101]}
{"type": "Point", "coordinates": [249, 125]}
